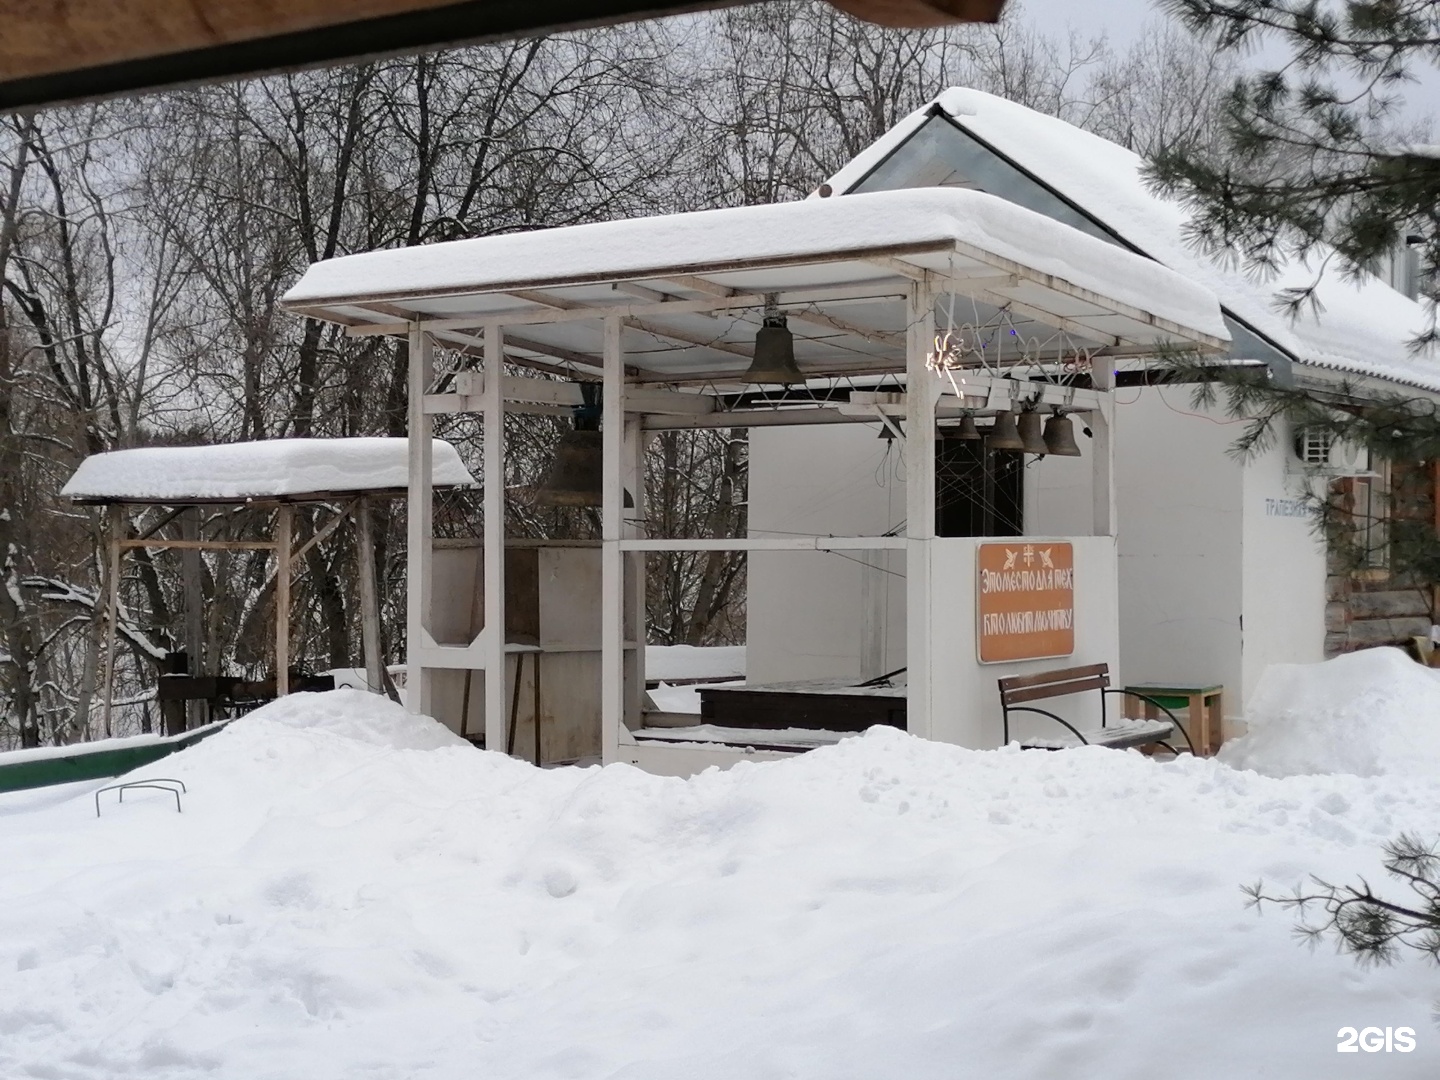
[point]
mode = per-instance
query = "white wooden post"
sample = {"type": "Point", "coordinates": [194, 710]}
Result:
{"type": "Point", "coordinates": [493, 410]}
{"type": "Point", "coordinates": [369, 598]}
{"type": "Point", "coordinates": [633, 481]}
{"type": "Point", "coordinates": [112, 614]}
{"type": "Point", "coordinates": [612, 559]}
{"type": "Point", "coordinates": [922, 391]}
{"type": "Point", "coordinates": [1102, 447]}
{"type": "Point", "coordinates": [284, 544]}
{"type": "Point", "coordinates": [418, 528]}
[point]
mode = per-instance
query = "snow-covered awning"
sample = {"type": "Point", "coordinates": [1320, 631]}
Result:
{"type": "Point", "coordinates": [275, 470]}
{"type": "Point", "coordinates": [691, 287]}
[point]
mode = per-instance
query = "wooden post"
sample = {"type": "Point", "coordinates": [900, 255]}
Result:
{"type": "Point", "coordinates": [284, 530]}
{"type": "Point", "coordinates": [418, 529]}
{"type": "Point", "coordinates": [112, 612]}
{"type": "Point", "coordinates": [612, 559]}
{"type": "Point", "coordinates": [634, 482]}
{"type": "Point", "coordinates": [922, 391]}
{"type": "Point", "coordinates": [369, 597]}
{"type": "Point", "coordinates": [493, 406]}
{"type": "Point", "coordinates": [190, 571]}
{"type": "Point", "coordinates": [1102, 448]}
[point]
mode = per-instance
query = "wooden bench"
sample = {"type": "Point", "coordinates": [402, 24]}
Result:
{"type": "Point", "coordinates": [1018, 691]}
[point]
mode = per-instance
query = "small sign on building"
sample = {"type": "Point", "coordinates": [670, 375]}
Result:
{"type": "Point", "coordinates": [1024, 600]}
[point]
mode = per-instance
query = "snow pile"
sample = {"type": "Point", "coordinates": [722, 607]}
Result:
{"type": "Point", "coordinates": [1369, 713]}
{"type": "Point", "coordinates": [249, 470]}
{"type": "Point", "coordinates": [339, 901]}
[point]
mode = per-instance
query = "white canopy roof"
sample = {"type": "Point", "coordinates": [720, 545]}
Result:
{"type": "Point", "coordinates": [691, 285]}
{"type": "Point", "coordinates": [1362, 327]}
{"type": "Point", "coordinates": [278, 469]}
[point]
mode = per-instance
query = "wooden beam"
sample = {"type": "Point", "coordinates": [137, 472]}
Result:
{"type": "Point", "coordinates": [493, 539]}
{"type": "Point", "coordinates": [369, 597]}
{"type": "Point", "coordinates": [284, 523]}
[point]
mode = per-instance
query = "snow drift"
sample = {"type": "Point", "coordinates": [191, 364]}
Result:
{"type": "Point", "coordinates": [1369, 713]}
{"type": "Point", "coordinates": [351, 892]}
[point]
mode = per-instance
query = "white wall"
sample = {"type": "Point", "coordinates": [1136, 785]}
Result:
{"type": "Point", "coordinates": [967, 700]}
{"type": "Point", "coordinates": [813, 615]}
{"type": "Point", "coordinates": [1180, 526]}
{"type": "Point", "coordinates": [1283, 572]}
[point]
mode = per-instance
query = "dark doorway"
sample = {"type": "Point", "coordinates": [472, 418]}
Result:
{"type": "Point", "coordinates": [978, 492]}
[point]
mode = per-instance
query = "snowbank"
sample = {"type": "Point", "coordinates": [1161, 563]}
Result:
{"type": "Point", "coordinates": [350, 893]}
{"type": "Point", "coordinates": [1369, 713]}
{"type": "Point", "coordinates": [249, 470]}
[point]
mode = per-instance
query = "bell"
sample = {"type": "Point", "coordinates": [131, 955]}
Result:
{"type": "Point", "coordinates": [1060, 436]}
{"type": "Point", "coordinates": [576, 473]}
{"type": "Point", "coordinates": [967, 428]}
{"type": "Point", "coordinates": [887, 431]}
{"type": "Point", "coordinates": [774, 362]}
{"type": "Point", "coordinates": [1029, 427]}
{"type": "Point", "coordinates": [1004, 435]}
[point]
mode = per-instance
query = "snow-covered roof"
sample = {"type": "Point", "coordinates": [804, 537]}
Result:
{"type": "Point", "coordinates": [280, 469]}
{"type": "Point", "coordinates": [802, 249]}
{"type": "Point", "coordinates": [1364, 327]}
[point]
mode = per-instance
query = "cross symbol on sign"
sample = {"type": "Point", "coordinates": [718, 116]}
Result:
{"type": "Point", "coordinates": [1029, 555]}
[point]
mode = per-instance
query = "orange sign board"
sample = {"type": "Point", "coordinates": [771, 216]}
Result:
{"type": "Point", "coordinates": [1024, 600]}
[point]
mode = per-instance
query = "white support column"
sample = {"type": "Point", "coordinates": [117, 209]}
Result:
{"type": "Point", "coordinates": [284, 545]}
{"type": "Point", "coordinates": [492, 400]}
{"type": "Point", "coordinates": [369, 597]}
{"type": "Point", "coordinates": [418, 525]}
{"type": "Point", "coordinates": [633, 481]}
{"type": "Point", "coordinates": [1102, 447]}
{"type": "Point", "coordinates": [922, 391]}
{"type": "Point", "coordinates": [612, 559]}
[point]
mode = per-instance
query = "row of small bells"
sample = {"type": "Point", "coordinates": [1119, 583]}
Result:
{"type": "Point", "coordinates": [1023, 433]}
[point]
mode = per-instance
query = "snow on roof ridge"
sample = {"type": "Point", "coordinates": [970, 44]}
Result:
{"type": "Point", "coordinates": [764, 235]}
{"type": "Point", "coordinates": [259, 469]}
{"type": "Point", "coordinates": [1364, 328]}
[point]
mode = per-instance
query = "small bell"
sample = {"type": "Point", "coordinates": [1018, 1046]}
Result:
{"type": "Point", "coordinates": [1029, 428]}
{"type": "Point", "coordinates": [1004, 435]}
{"type": "Point", "coordinates": [1060, 436]}
{"type": "Point", "coordinates": [967, 429]}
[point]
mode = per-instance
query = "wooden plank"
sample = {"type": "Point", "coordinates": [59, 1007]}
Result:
{"type": "Point", "coordinates": [1052, 690]}
{"type": "Point", "coordinates": [284, 526]}
{"type": "Point", "coordinates": [493, 537]}
{"type": "Point", "coordinates": [1016, 682]}
{"type": "Point", "coordinates": [369, 598]}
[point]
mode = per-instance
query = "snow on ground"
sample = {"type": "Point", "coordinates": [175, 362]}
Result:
{"type": "Point", "coordinates": [352, 892]}
{"type": "Point", "coordinates": [1371, 713]}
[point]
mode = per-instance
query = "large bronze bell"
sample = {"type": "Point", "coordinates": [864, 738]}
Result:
{"type": "Point", "coordinates": [576, 476]}
{"type": "Point", "coordinates": [1029, 428]}
{"type": "Point", "coordinates": [774, 361]}
{"type": "Point", "coordinates": [1060, 436]}
{"type": "Point", "coordinates": [1004, 435]}
{"type": "Point", "coordinates": [967, 429]}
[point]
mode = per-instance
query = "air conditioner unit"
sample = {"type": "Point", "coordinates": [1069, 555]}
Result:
{"type": "Point", "coordinates": [1320, 453]}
